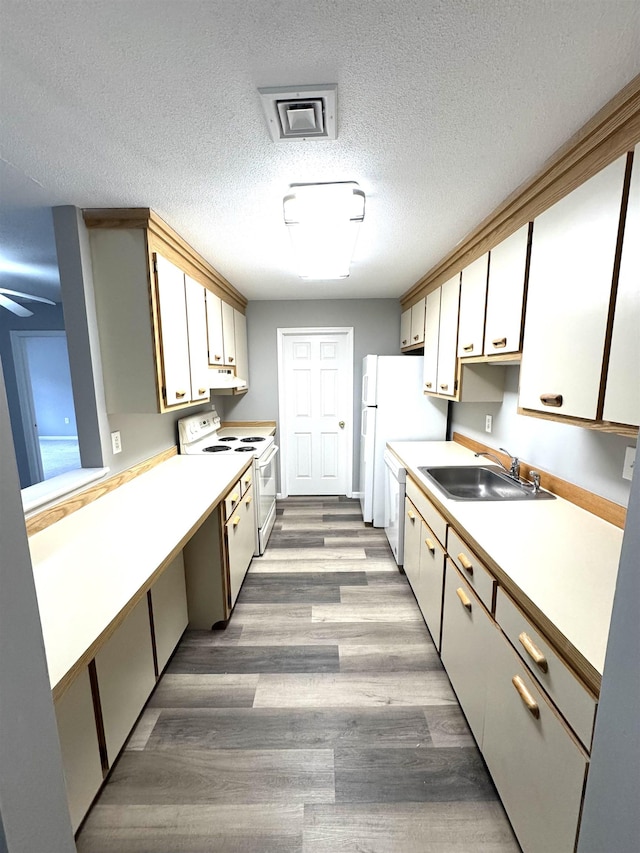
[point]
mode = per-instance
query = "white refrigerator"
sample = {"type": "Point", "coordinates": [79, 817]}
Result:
{"type": "Point", "coordinates": [393, 409]}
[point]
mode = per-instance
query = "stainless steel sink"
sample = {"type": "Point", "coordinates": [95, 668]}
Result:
{"type": "Point", "coordinates": [480, 483]}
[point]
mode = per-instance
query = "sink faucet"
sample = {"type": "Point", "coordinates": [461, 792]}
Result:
{"type": "Point", "coordinates": [513, 471]}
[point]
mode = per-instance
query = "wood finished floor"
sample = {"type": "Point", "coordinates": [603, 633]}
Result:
{"type": "Point", "coordinates": [320, 721]}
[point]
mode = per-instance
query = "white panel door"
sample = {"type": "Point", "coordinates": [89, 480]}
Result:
{"type": "Point", "coordinates": [473, 298]}
{"type": "Point", "coordinates": [448, 337]}
{"type": "Point", "coordinates": [197, 330]}
{"type": "Point", "coordinates": [431, 338]}
{"type": "Point", "coordinates": [316, 399]}
{"type": "Point", "coordinates": [505, 294]}
{"type": "Point", "coordinates": [173, 332]}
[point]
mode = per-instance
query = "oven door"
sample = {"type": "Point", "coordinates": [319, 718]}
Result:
{"type": "Point", "coordinates": [266, 495]}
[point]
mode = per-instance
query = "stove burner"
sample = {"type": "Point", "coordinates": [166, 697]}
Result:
{"type": "Point", "coordinates": [253, 438]}
{"type": "Point", "coordinates": [216, 448]}
{"type": "Point", "coordinates": [229, 438]}
{"type": "Point", "coordinates": [244, 449]}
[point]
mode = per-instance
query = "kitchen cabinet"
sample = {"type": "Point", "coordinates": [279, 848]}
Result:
{"type": "Point", "coordinates": [151, 323]}
{"type": "Point", "coordinates": [79, 746]}
{"type": "Point", "coordinates": [431, 340]}
{"type": "Point", "coordinates": [506, 293]}
{"type": "Point", "coordinates": [169, 609]}
{"type": "Point", "coordinates": [412, 322]}
{"type": "Point", "coordinates": [622, 394]}
{"type": "Point", "coordinates": [227, 343]}
{"type": "Point", "coordinates": [241, 343]}
{"type": "Point", "coordinates": [473, 299]}
{"type": "Point", "coordinates": [573, 256]}
{"type": "Point", "coordinates": [218, 555]}
{"type": "Point", "coordinates": [441, 337]}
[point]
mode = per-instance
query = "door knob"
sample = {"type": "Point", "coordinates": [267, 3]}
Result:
{"type": "Point", "coordinates": [341, 424]}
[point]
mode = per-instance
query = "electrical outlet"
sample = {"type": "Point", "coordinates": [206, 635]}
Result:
{"type": "Point", "coordinates": [488, 423]}
{"type": "Point", "coordinates": [66, 420]}
{"type": "Point", "coordinates": [629, 462]}
{"type": "Point", "coordinates": [116, 444]}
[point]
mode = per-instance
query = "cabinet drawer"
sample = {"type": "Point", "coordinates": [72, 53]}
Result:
{"type": "Point", "coordinates": [575, 702]}
{"type": "Point", "coordinates": [537, 765]}
{"type": "Point", "coordinates": [471, 568]}
{"type": "Point", "coordinates": [232, 499]}
{"type": "Point", "coordinates": [412, 532]}
{"type": "Point", "coordinates": [241, 542]}
{"type": "Point", "coordinates": [467, 636]}
{"type": "Point", "coordinates": [247, 479]}
{"type": "Point", "coordinates": [427, 510]}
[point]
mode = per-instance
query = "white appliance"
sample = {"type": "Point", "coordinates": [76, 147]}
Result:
{"type": "Point", "coordinates": [394, 495]}
{"type": "Point", "coordinates": [201, 433]}
{"type": "Point", "coordinates": [393, 409]}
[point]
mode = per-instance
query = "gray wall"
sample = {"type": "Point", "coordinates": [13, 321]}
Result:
{"type": "Point", "coordinates": [376, 324]}
{"type": "Point", "coordinates": [33, 800]}
{"type": "Point", "coordinates": [611, 818]}
{"type": "Point", "coordinates": [585, 457]}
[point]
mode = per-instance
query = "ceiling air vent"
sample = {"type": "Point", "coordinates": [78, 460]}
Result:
{"type": "Point", "coordinates": [301, 112]}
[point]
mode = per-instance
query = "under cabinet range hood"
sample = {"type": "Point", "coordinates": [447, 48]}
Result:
{"type": "Point", "coordinates": [224, 377]}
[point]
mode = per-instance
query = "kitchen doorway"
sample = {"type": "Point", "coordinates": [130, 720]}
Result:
{"type": "Point", "coordinates": [315, 383]}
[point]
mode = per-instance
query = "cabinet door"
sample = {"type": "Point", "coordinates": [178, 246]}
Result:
{"type": "Point", "coordinates": [173, 331]}
{"type": "Point", "coordinates": [473, 298]}
{"type": "Point", "coordinates": [242, 356]}
{"type": "Point", "coordinates": [169, 604]}
{"type": "Point", "coordinates": [622, 396]}
{"type": "Point", "coordinates": [405, 328]}
{"type": "Point", "coordinates": [214, 329]}
{"type": "Point", "coordinates": [197, 331]}
{"type": "Point", "coordinates": [431, 336]}
{"type": "Point", "coordinates": [448, 337]}
{"type": "Point", "coordinates": [241, 542]}
{"type": "Point", "coordinates": [228, 334]}
{"type": "Point", "coordinates": [430, 582]}
{"type": "Point", "coordinates": [412, 530]}
{"type": "Point", "coordinates": [467, 636]}
{"type": "Point", "coordinates": [417, 322]}
{"type": "Point", "coordinates": [505, 294]}
{"type": "Point", "coordinates": [79, 746]}
{"type": "Point", "coordinates": [572, 261]}
{"type": "Point", "coordinates": [536, 765]}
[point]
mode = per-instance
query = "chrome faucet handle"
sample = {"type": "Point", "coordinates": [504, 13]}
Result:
{"type": "Point", "coordinates": [515, 463]}
{"type": "Point", "coordinates": [535, 479]}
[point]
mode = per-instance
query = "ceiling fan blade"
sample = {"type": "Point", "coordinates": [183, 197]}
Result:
{"type": "Point", "coordinates": [12, 306]}
{"type": "Point", "coordinates": [22, 295]}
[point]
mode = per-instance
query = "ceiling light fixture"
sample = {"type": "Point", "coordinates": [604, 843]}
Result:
{"type": "Point", "coordinates": [323, 222]}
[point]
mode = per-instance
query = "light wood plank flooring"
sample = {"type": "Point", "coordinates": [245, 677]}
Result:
{"type": "Point", "coordinates": [320, 721]}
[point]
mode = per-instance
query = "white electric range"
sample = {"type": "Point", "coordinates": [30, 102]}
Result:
{"type": "Point", "coordinates": [201, 433]}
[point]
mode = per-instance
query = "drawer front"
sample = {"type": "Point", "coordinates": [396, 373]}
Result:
{"type": "Point", "coordinates": [412, 530]}
{"type": "Point", "coordinates": [247, 479]}
{"type": "Point", "coordinates": [241, 542]}
{"type": "Point", "coordinates": [537, 765]}
{"type": "Point", "coordinates": [427, 510]}
{"type": "Point", "coordinates": [471, 568]}
{"type": "Point", "coordinates": [232, 499]}
{"type": "Point", "coordinates": [575, 702]}
{"type": "Point", "coordinates": [429, 589]}
{"type": "Point", "coordinates": [467, 635]}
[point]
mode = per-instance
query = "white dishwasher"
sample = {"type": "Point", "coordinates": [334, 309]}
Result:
{"type": "Point", "coordinates": [394, 492]}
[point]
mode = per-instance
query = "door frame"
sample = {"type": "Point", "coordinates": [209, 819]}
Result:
{"type": "Point", "coordinates": [347, 331]}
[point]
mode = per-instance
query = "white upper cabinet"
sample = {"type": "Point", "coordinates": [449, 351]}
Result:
{"type": "Point", "coordinates": [405, 328]}
{"type": "Point", "coordinates": [214, 329]}
{"type": "Point", "coordinates": [229, 334]}
{"type": "Point", "coordinates": [197, 331]}
{"type": "Point", "coordinates": [173, 331]}
{"type": "Point", "coordinates": [431, 338]}
{"type": "Point", "coordinates": [473, 296]}
{"type": "Point", "coordinates": [447, 339]}
{"type": "Point", "coordinates": [622, 396]}
{"type": "Point", "coordinates": [572, 265]}
{"type": "Point", "coordinates": [505, 294]}
{"type": "Point", "coordinates": [417, 322]}
{"type": "Point", "coordinates": [240, 337]}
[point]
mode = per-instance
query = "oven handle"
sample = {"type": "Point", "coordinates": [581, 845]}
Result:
{"type": "Point", "coordinates": [262, 463]}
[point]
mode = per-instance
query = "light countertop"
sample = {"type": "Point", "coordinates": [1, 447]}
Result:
{"type": "Point", "coordinates": [561, 559]}
{"type": "Point", "coordinates": [90, 565]}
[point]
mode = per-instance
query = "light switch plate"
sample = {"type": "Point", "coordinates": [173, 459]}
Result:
{"type": "Point", "coordinates": [488, 423]}
{"type": "Point", "coordinates": [116, 443]}
{"type": "Point", "coordinates": [629, 462]}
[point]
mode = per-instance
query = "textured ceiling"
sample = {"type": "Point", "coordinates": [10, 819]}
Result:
{"type": "Point", "coordinates": [444, 108]}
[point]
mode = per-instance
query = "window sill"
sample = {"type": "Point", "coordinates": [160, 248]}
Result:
{"type": "Point", "coordinates": [36, 496]}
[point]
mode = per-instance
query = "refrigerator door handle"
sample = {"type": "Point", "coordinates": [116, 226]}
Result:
{"type": "Point", "coordinates": [365, 387]}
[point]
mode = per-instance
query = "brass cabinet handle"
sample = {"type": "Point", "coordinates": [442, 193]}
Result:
{"type": "Point", "coordinates": [218, 357]}
{"type": "Point", "coordinates": [404, 342]}
{"type": "Point", "coordinates": [181, 394]}
{"type": "Point", "coordinates": [230, 359]}
{"type": "Point", "coordinates": [533, 651]}
{"type": "Point", "coordinates": [415, 337]}
{"type": "Point", "coordinates": [431, 545]}
{"type": "Point", "coordinates": [466, 564]}
{"type": "Point", "coordinates": [468, 347]}
{"type": "Point", "coordinates": [247, 482]}
{"type": "Point", "coordinates": [411, 515]}
{"type": "Point", "coordinates": [201, 390]}
{"type": "Point", "coordinates": [234, 497]}
{"type": "Point", "coordinates": [526, 697]}
{"type": "Point", "coordinates": [466, 603]}
{"type": "Point", "coordinates": [554, 400]}
{"type": "Point", "coordinates": [499, 343]}
{"type": "Point", "coordinates": [236, 521]}
{"type": "Point", "coordinates": [444, 385]}
{"type": "Point", "coordinates": [428, 384]}
{"type": "Point", "coordinates": [248, 501]}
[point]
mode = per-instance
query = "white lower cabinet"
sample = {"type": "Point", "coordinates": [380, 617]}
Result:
{"type": "Point", "coordinates": [468, 634]}
{"type": "Point", "coordinates": [126, 676]}
{"type": "Point", "coordinates": [429, 589]}
{"type": "Point", "coordinates": [79, 746]}
{"type": "Point", "coordinates": [537, 765]}
{"type": "Point", "coordinates": [240, 535]}
{"type": "Point", "coordinates": [169, 607]}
